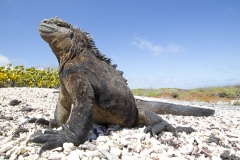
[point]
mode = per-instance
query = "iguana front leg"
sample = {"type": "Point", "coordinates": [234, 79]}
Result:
{"type": "Point", "coordinates": [62, 110]}
{"type": "Point", "coordinates": [81, 116]}
{"type": "Point", "coordinates": [61, 114]}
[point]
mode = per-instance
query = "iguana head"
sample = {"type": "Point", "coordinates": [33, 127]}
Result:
{"type": "Point", "coordinates": [68, 42]}
{"type": "Point", "coordinates": [64, 40]}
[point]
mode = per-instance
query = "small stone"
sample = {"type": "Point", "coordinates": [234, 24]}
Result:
{"type": "Point", "coordinates": [190, 140]}
{"type": "Point", "coordinates": [145, 155]}
{"type": "Point", "coordinates": [115, 151]}
{"type": "Point", "coordinates": [19, 150]}
{"type": "Point", "coordinates": [234, 139]}
{"type": "Point", "coordinates": [73, 155]}
{"type": "Point", "coordinates": [102, 139]}
{"type": "Point", "coordinates": [85, 158]}
{"type": "Point", "coordinates": [26, 109]}
{"type": "Point", "coordinates": [68, 147]}
{"type": "Point", "coordinates": [140, 136]}
{"type": "Point", "coordinates": [115, 136]}
{"type": "Point", "coordinates": [127, 157]}
{"type": "Point", "coordinates": [81, 154]}
{"type": "Point", "coordinates": [20, 157]}
{"type": "Point", "coordinates": [96, 158]}
{"type": "Point", "coordinates": [14, 102]}
{"type": "Point", "coordinates": [59, 149]}
{"type": "Point", "coordinates": [124, 142]}
{"type": "Point", "coordinates": [104, 146]}
{"type": "Point", "coordinates": [55, 156]}
{"type": "Point", "coordinates": [154, 141]}
{"type": "Point", "coordinates": [214, 139]}
{"type": "Point", "coordinates": [137, 148]}
{"type": "Point", "coordinates": [124, 132]}
{"type": "Point", "coordinates": [125, 152]}
{"type": "Point", "coordinates": [7, 118]}
{"type": "Point", "coordinates": [189, 149]}
{"type": "Point", "coordinates": [6, 147]}
{"type": "Point", "coordinates": [95, 153]}
{"type": "Point", "coordinates": [230, 134]}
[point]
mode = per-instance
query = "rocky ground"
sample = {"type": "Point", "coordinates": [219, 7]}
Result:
{"type": "Point", "coordinates": [217, 137]}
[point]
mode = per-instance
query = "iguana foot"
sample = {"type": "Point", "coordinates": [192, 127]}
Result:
{"type": "Point", "coordinates": [54, 138]}
{"type": "Point", "coordinates": [155, 123]}
{"type": "Point", "coordinates": [159, 127]}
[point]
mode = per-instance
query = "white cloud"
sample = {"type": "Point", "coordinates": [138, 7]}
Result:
{"type": "Point", "coordinates": [173, 48]}
{"type": "Point", "coordinates": [4, 60]}
{"type": "Point", "coordinates": [156, 49]}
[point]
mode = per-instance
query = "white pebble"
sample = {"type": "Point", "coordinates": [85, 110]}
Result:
{"type": "Point", "coordinates": [54, 155]}
{"type": "Point", "coordinates": [190, 140]}
{"type": "Point", "coordinates": [230, 134]}
{"type": "Point", "coordinates": [145, 155]}
{"type": "Point", "coordinates": [234, 139]}
{"type": "Point", "coordinates": [154, 141]}
{"type": "Point", "coordinates": [73, 155]}
{"type": "Point", "coordinates": [5, 140]}
{"type": "Point", "coordinates": [216, 158]}
{"type": "Point", "coordinates": [6, 147]}
{"type": "Point", "coordinates": [115, 136]}
{"type": "Point", "coordinates": [9, 152]}
{"type": "Point", "coordinates": [125, 152]}
{"type": "Point", "coordinates": [68, 147]}
{"type": "Point", "coordinates": [124, 142]}
{"type": "Point", "coordinates": [93, 154]}
{"type": "Point", "coordinates": [189, 149]}
{"type": "Point", "coordinates": [19, 150]}
{"type": "Point", "coordinates": [124, 132]}
{"type": "Point", "coordinates": [96, 158]}
{"type": "Point", "coordinates": [102, 139]}
{"type": "Point", "coordinates": [115, 151]}
{"type": "Point", "coordinates": [104, 146]}
{"type": "Point", "coordinates": [81, 154]}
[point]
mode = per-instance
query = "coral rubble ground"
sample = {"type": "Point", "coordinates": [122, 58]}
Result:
{"type": "Point", "coordinates": [216, 137]}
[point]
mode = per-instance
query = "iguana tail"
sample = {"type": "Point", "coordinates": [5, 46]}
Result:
{"type": "Point", "coordinates": [175, 109]}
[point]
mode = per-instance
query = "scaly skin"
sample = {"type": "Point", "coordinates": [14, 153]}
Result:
{"type": "Point", "coordinates": [98, 91]}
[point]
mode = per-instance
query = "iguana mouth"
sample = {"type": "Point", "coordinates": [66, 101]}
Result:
{"type": "Point", "coordinates": [46, 28]}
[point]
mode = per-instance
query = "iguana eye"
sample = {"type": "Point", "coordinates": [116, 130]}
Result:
{"type": "Point", "coordinates": [71, 35]}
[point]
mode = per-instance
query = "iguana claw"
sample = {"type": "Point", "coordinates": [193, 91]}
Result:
{"type": "Point", "coordinates": [52, 139]}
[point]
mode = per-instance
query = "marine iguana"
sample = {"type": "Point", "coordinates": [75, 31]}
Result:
{"type": "Point", "coordinates": [93, 91]}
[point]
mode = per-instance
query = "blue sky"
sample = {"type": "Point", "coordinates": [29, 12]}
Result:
{"type": "Point", "coordinates": [157, 43]}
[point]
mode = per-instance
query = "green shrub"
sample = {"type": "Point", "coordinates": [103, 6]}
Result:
{"type": "Point", "coordinates": [19, 76]}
